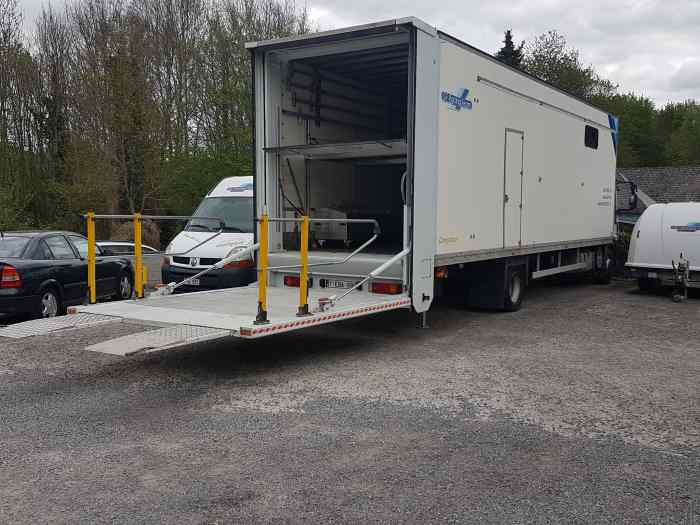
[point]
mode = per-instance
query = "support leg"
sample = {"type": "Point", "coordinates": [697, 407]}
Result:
{"type": "Point", "coordinates": [424, 320]}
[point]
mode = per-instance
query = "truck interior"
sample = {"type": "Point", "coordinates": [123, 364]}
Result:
{"type": "Point", "coordinates": [340, 148]}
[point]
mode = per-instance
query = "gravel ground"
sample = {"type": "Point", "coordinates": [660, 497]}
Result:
{"type": "Point", "coordinates": [584, 407]}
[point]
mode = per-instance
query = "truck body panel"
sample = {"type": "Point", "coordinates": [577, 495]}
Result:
{"type": "Point", "coordinates": [565, 189]}
{"type": "Point", "coordinates": [497, 163]}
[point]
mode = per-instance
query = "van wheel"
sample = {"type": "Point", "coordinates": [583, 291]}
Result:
{"type": "Point", "coordinates": [514, 289]}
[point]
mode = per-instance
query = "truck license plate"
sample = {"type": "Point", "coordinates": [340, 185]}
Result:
{"type": "Point", "coordinates": [193, 282]}
{"type": "Point", "coordinates": [330, 283]}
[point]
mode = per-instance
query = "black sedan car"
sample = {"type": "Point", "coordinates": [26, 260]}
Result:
{"type": "Point", "coordinates": [41, 273]}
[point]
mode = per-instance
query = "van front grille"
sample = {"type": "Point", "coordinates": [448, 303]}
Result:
{"type": "Point", "coordinates": [204, 261]}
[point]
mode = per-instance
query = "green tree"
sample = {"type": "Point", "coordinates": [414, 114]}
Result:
{"type": "Point", "coordinates": [509, 53]}
{"type": "Point", "coordinates": [638, 143]}
{"type": "Point", "coordinates": [670, 119]}
{"type": "Point", "coordinates": [684, 145]}
{"type": "Point", "coordinates": [548, 57]}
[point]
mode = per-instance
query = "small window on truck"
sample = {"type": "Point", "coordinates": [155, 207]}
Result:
{"type": "Point", "coordinates": [591, 137]}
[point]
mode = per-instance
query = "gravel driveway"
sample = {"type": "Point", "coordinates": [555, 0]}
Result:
{"type": "Point", "coordinates": [584, 407]}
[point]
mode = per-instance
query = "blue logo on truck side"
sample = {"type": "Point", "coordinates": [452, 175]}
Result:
{"type": "Point", "coordinates": [691, 227]}
{"type": "Point", "coordinates": [457, 102]}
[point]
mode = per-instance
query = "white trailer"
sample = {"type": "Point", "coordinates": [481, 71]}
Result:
{"type": "Point", "coordinates": [436, 170]}
{"type": "Point", "coordinates": [664, 236]}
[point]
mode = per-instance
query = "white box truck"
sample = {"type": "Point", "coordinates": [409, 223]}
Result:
{"type": "Point", "coordinates": [447, 172]}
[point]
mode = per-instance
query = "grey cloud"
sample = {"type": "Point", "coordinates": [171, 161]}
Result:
{"type": "Point", "coordinates": [646, 46]}
{"type": "Point", "coordinates": [687, 76]}
{"type": "Point", "coordinates": [639, 44]}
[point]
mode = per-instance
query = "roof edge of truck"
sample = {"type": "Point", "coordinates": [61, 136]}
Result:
{"type": "Point", "coordinates": [333, 33]}
{"type": "Point", "coordinates": [522, 72]}
{"type": "Point", "coordinates": [419, 24]}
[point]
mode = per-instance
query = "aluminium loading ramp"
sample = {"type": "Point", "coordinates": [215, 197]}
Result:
{"type": "Point", "coordinates": [174, 321]}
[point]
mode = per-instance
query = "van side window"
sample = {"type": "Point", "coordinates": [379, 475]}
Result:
{"type": "Point", "coordinates": [591, 137]}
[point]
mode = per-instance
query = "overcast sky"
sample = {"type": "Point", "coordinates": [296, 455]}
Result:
{"type": "Point", "coordinates": [646, 46]}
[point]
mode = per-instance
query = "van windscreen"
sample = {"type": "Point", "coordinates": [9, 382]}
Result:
{"type": "Point", "coordinates": [236, 212]}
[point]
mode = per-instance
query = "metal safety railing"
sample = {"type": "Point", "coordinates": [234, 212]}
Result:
{"type": "Point", "coordinates": [140, 271]}
{"type": "Point", "coordinates": [263, 259]}
{"type": "Point", "coordinates": [371, 275]}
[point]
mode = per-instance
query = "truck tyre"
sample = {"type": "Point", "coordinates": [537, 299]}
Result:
{"type": "Point", "coordinates": [514, 289]}
{"type": "Point", "coordinates": [602, 273]}
{"type": "Point", "coordinates": [645, 284]}
{"type": "Point", "coordinates": [602, 276]}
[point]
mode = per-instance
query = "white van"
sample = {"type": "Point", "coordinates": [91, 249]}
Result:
{"type": "Point", "coordinates": [231, 201]}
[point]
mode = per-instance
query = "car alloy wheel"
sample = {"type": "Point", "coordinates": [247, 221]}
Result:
{"type": "Point", "coordinates": [49, 304]}
{"type": "Point", "coordinates": [124, 287]}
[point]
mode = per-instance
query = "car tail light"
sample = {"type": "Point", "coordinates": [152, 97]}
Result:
{"type": "Point", "coordinates": [245, 263]}
{"type": "Point", "coordinates": [292, 280]}
{"type": "Point", "coordinates": [387, 288]}
{"type": "Point", "coordinates": [10, 277]}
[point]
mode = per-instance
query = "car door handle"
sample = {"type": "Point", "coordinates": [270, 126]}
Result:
{"type": "Point", "coordinates": [506, 198]}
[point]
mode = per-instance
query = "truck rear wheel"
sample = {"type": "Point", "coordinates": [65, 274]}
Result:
{"type": "Point", "coordinates": [645, 284]}
{"type": "Point", "coordinates": [514, 289]}
{"type": "Point", "coordinates": [602, 273]}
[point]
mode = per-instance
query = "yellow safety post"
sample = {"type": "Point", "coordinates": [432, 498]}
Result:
{"type": "Point", "coordinates": [92, 260]}
{"type": "Point", "coordinates": [304, 278]}
{"type": "Point", "coordinates": [261, 318]}
{"type": "Point", "coordinates": [138, 256]}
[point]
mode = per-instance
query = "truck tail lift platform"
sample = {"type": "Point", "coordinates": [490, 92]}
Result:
{"type": "Point", "coordinates": [394, 163]}
{"type": "Point", "coordinates": [250, 312]}
{"type": "Point", "coordinates": [217, 314]}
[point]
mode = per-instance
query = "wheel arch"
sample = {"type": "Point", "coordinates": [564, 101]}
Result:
{"type": "Point", "coordinates": [51, 283]}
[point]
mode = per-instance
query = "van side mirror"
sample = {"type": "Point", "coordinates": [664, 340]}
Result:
{"type": "Point", "coordinates": [633, 201]}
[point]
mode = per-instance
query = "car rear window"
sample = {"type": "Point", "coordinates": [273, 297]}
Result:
{"type": "Point", "coordinates": [80, 244]}
{"type": "Point", "coordinates": [42, 252]}
{"type": "Point", "coordinates": [60, 248]}
{"type": "Point", "coordinates": [13, 246]}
